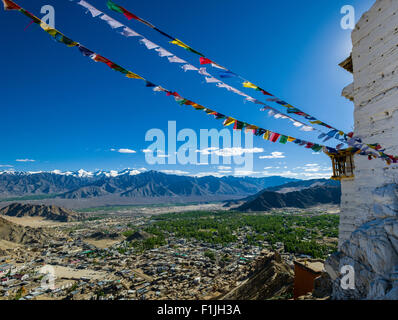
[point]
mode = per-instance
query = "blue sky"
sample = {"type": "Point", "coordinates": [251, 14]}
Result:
{"type": "Point", "coordinates": [59, 110]}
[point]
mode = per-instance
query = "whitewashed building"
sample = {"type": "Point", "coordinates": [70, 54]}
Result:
{"type": "Point", "coordinates": [368, 233]}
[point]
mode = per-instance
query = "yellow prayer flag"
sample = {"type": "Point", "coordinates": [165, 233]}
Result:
{"type": "Point", "coordinates": [197, 106]}
{"type": "Point", "coordinates": [290, 139]}
{"type": "Point", "coordinates": [267, 134]}
{"type": "Point", "coordinates": [48, 29]}
{"type": "Point", "coordinates": [180, 43]}
{"type": "Point", "coordinates": [248, 84]}
{"type": "Point", "coordinates": [133, 76]}
{"type": "Point", "coordinates": [229, 121]}
{"type": "Point", "coordinates": [316, 122]}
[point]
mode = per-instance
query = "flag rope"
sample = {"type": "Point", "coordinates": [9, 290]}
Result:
{"type": "Point", "coordinates": [238, 125]}
{"type": "Point", "coordinates": [209, 78]}
{"type": "Point", "coordinates": [334, 133]}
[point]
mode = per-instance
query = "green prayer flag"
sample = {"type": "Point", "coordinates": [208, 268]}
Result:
{"type": "Point", "coordinates": [113, 6]}
{"type": "Point", "coordinates": [182, 102]}
{"type": "Point", "coordinates": [316, 147]}
{"type": "Point", "coordinates": [283, 139]}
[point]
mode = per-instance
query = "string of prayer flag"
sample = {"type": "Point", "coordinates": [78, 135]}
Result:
{"type": "Point", "coordinates": [188, 67]}
{"type": "Point", "coordinates": [226, 73]}
{"type": "Point", "coordinates": [238, 125]}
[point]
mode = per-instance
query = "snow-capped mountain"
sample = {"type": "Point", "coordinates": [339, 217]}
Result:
{"type": "Point", "coordinates": [130, 183]}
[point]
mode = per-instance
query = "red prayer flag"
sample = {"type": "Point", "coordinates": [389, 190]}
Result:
{"type": "Point", "coordinates": [274, 137]}
{"type": "Point", "coordinates": [99, 58]}
{"type": "Point", "coordinates": [9, 5]}
{"type": "Point", "coordinates": [175, 94]}
{"type": "Point", "coordinates": [266, 93]}
{"type": "Point", "coordinates": [128, 14]}
{"type": "Point", "coordinates": [309, 145]}
{"type": "Point", "coordinates": [204, 60]}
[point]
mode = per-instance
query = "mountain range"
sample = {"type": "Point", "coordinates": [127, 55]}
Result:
{"type": "Point", "coordinates": [128, 184]}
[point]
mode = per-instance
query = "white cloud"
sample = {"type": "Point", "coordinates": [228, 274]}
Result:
{"type": "Point", "coordinates": [178, 172]}
{"type": "Point", "coordinates": [25, 160]}
{"type": "Point", "coordinates": [225, 171]}
{"type": "Point", "coordinates": [312, 170]}
{"type": "Point", "coordinates": [205, 174]}
{"type": "Point", "coordinates": [224, 168]}
{"type": "Point", "coordinates": [229, 152]}
{"type": "Point", "coordinates": [274, 155]}
{"type": "Point", "coordinates": [6, 166]}
{"type": "Point", "coordinates": [245, 172]}
{"type": "Point", "coordinates": [312, 165]}
{"type": "Point", "coordinates": [124, 150]}
{"type": "Point", "coordinates": [201, 164]}
{"type": "Point", "coordinates": [299, 175]}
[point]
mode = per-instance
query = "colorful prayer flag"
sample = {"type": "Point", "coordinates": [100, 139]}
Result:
{"type": "Point", "coordinates": [94, 12]}
{"type": "Point", "coordinates": [316, 148]}
{"type": "Point", "coordinates": [228, 121]}
{"type": "Point", "coordinates": [113, 6]}
{"type": "Point", "coordinates": [204, 60]}
{"type": "Point", "coordinates": [9, 5]}
{"type": "Point", "coordinates": [267, 135]}
{"type": "Point", "coordinates": [132, 75]}
{"type": "Point", "coordinates": [283, 139]}
{"type": "Point", "coordinates": [275, 136]}
{"type": "Point", "coordinates": [248, 84]}
{"type": "Point", "coordinates": [114, 24]}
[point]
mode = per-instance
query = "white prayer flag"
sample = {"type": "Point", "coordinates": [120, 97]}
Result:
{"type": "Point", "coordinates": [150, 45]}
{"type": "Point", "coordinates": [112, 22]}
{"type": "Point", "coordinates": [224, 85]}
{"type": "Point", "coordinates": [212, 80]}
{"type": "Point", "coordinates": [94, 12]}
{"type": "Point", "coordinates": [188, 67]}
{"type": "Point", "coordinates": [297, 124]}
{"type": "Point", "coordinates": [176, 59]}
{"type": "Point", "coordinates": [217, 66]}
{"type": "Point", "coordinates": [127, 32]}
{"type": "Point", "coordinates": [307, 128]}
{"type": "Point", "coordinates": [163, 53]}
{"type": "Point", "coordinates": [204, 72]}
{"type": "Point", "coordinates": [158, 88]}
{"type": "Point", "coordinates": [251, 99]}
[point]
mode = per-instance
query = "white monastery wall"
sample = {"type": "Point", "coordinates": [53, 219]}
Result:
{"type": "Point", "coordinates": [375, 93]}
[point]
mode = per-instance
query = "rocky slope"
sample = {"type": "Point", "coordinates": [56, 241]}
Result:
{"type": "Point", "coordinates": [271, 278]}
{"type": "Point", "coordinates": [372, 252]}
{"type": "Point", "coordinates": [304, 184]}
{"type": "Point", "coordinates": [17, 234]}
{"type": "Point", "coordinates": [305, 198]}
{"type": "Point", "coordinates": [47, 212]}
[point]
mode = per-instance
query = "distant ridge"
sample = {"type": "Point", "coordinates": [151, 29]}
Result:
{"type": "Point", "coordinates": [309, 193]}
{"type": "Point", "coordinates": [47, 212]}
{"type": "Point", "coordinates": [128, 184]}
